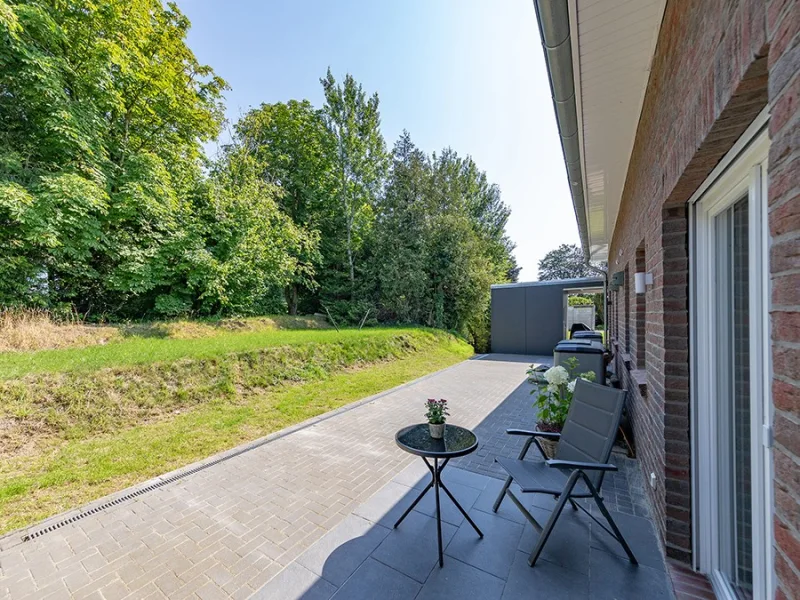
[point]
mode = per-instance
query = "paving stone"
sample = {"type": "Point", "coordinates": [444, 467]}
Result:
{"type": "Point", "coordinates": [614, 578]}
{"type": "Point", "coordinates": [508, 509]}
{"type": "Point", "coordinates": [638, 533]}
{"type": "Point", "coordinates": [296, 582]}
{"type": "Point", "coordinates": [459, 580]}
{"type": "Point", "coordinates": [387, 504]}
{"type": "Point", "coordinates": [569, 543]}
{"type": "Point", "coordinates": [337, 555]}
{"type": "Point", "coordinates": [412, 548]}
{"type": "Point", "coordinates": [546, 580]}
{"type": "Point", "coordinates": [373, 579]}
{"type": "Point", "coordinates": [257, 512]}
{"type": "Point", "coordinates": [453, 475]}
{"type": "Point", "coordinates": [416, 475]}
{"type": "Point", "coordinates": [465, 496]}
{"type": "Point", "coordinates": [494, 553]}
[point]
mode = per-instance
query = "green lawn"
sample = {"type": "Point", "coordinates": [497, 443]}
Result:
{"type": "Point", "coordinates": [80, 435]}
{"type": "Point", "coordinates": [144, 350]}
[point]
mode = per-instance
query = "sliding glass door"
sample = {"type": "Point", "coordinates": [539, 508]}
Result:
{"type": "Point", "coordinates": [732, 327]}
{"type": "Point", "coordinates": [730, 379]}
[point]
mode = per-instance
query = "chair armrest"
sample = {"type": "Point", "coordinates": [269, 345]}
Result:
{"type": "Point", "coordinates": [549, 435]}
{"type": "Point", "coordinates": [583, 466]}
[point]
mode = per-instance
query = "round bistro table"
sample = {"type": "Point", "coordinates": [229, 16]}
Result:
{"type": "Point", "coordinates": [457, 441]}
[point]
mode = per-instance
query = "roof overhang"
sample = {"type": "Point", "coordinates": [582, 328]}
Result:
{"type": "Point", "coordinates": [598, 56]}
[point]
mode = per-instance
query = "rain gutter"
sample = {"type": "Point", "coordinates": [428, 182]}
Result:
{"type": "Point", "coordinates": [554, 30]}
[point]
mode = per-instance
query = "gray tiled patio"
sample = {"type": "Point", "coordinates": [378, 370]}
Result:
{"type": "Point", "coordinates": [363, 557]}
{"type": "Point", "coordinates": [307, 513]}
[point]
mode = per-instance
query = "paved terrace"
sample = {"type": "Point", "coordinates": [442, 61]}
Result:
{"type": "Point", "coordinates": [307, 513]}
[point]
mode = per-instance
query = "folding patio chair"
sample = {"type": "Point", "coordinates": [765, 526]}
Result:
{"type": "Point", "coordinates": [580, 463]}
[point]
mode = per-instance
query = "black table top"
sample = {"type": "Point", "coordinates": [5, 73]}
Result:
{"type": "Point", "coordinates": [416, 439]}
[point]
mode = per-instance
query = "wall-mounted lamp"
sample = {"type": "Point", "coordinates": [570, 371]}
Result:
{"type": "Point", "coordinates": [641, 280]}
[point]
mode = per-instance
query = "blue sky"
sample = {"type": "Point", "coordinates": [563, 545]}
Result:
{"type": "Point", "coordinates": [462, 73]}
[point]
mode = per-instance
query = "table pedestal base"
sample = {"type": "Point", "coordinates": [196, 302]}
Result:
{"type": "Point", "coordinates": [436, 483]}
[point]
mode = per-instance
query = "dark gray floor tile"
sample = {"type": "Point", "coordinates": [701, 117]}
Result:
{"type": "Point", "coordinates": [507, 508]}
{"type": "Point", "coordinates": [375, 580]}
{"type": "Point", "coordinates": [458, 580]}
{"type": "Point", "coordinates": [639, 534]}
{"type": "Point", "coordinates": [545, 580]}
{"type": "Point", "coordinates": [615, 578]}
{"type": "Point", "coordinates": [412, 548]}
{"type": "Point", "coordinates": [337, 555]}
{"type": "Point", "coordinates": [568, 544]}
{"type": "Point", "coordinates": [453, 475]}
{"type": "Point", "coordinates": [465, 496]}
{"type": "Point", "coordinates": [387, 504]}
{"type": "Point", "coordinates": [495, 552]}
{"type": "Point", "coordinates": [295, 582]}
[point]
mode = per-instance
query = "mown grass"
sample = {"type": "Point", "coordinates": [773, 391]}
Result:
{"type": "Point", "coordinates": [144, 350]}
{"type": "Point", "coordinates": [68, 438]}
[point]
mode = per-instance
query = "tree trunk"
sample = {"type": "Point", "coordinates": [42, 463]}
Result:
{"type": "Point", "coordinates": [350, 256]}
{"type": "Point", "coordinates": [348, 211]}
{"type": "Point", "coordinates": [291, 298]}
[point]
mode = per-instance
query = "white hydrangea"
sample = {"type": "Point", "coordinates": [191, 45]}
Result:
{"type": "Point", "coordinates": [556, 376]}
{"type": "Point", "coordinates": [571, 386]}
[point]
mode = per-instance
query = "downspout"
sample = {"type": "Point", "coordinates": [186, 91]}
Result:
{"type": "Point", "coordinates": [553, 19]}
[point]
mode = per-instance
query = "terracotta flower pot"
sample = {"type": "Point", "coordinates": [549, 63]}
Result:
{"type": "Point", "coordinates": [437, 430]}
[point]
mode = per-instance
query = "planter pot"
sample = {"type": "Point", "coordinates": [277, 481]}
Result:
{"type": "Point", "coordinates": [549, 447]}
{"type": "Point", "coordinates": [437, 431]}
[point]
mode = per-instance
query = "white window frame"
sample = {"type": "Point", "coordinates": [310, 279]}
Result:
{"type": "Point", "coordinates": [742, 172]}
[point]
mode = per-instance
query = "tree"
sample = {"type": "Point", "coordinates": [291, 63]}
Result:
{"type": "Point", "coordinates": [354, 121]}
{"type": "Point", "coordinates": [565, 262]}
{"type": "Point", "coordinates": [103, 112]}
{"type": "Point", "coordinates": [289, 146]}
{"type": "Point", "coordinates": [399, 258]}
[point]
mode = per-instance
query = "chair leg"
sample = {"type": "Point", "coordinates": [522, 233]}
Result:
{"type": "Point", "coordinates": [502, 495]}
{"type": "Point", "coordinates": [548, 528]}
{"type": "Point", "coordinates": [617, 533]}
{"type": "Point", "coordinates": [572, 503]}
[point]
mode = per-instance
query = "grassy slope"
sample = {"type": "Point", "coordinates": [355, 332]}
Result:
{"type": "Point", "coordinates": [100, 431]}
{"type": "Point", "coordinates": [143, 350]}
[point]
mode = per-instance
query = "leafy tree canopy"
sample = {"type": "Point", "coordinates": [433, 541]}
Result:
{"type": "Point", "coordinates": [565, 262]}
{"type": "Point", "coordinates": [109, 205]}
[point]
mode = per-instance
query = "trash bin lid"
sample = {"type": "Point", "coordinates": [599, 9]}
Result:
{"type": "Point", "coordinates": [587, 335]}
{"type": "Point", "coordinates": [584, 346]}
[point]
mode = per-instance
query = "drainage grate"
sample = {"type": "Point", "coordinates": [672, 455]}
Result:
{"type": "Point", "coordinates": [131, 495]}
{"type": "Point", "coordinates": [313, 421]}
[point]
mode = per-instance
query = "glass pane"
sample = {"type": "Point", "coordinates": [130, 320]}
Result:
{"type": "Point", "coordinates": [742, 493]}
{"type": "Point", "coordinates": [733, 394]}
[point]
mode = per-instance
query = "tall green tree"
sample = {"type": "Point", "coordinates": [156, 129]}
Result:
{"type": "Point", "coordinates": [354, 121]}
{"type": "Point", "coordinates": [565, 262]}
{"type": "Point", "coordinates": [103, 112]}
{"type": "Point", "coordinates": [400, 251]}
{"type": "Point", "coordinates": [289, 146]}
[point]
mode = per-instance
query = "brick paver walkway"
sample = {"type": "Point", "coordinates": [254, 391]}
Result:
{"type": "Point", "coordinates": [225, 530]}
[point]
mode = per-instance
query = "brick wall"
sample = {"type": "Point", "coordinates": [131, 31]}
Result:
{"type": "Point", "coordinates": [783, 22]}
{"type": "Point", "coordinates": [717, 64]}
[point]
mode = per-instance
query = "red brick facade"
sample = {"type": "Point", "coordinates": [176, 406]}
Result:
{"type": "Point", "coordinates": [717, 64]}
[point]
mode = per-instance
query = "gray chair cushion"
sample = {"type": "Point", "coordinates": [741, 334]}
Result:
{"type": "Point", "coordinates": [591, 426]}
{"type": "Point", "coordinates": [535, 477]}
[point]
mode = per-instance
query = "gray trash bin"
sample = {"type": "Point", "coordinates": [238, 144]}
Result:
{"type": "Point", "coordinates": [595, 336]}
{"type": "Point", "coordinates": [589, 354]}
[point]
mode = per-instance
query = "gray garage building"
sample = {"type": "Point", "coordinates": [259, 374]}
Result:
{"type": "Point", "coordinates": [530, 318]}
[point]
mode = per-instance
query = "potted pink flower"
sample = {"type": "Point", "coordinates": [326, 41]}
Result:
{"type": "Point", "coordinates": [436, 414]}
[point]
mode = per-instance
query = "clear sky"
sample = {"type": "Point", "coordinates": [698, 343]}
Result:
{"type": "Point", "coordinates": [468, 74]}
